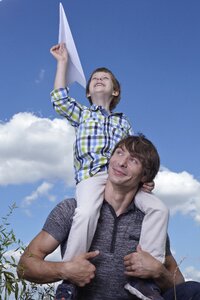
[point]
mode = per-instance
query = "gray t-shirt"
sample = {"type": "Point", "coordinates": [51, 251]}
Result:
{"type": "Point", "coordinates": [115, 237]}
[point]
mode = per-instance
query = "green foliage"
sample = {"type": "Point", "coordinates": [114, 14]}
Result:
{"type": "Point", "coordinates": [11, 287]}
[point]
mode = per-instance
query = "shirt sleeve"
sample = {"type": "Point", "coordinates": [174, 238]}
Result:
{"type": "Point", "coordinates": [66, 106]}
{"type": "Point", "coordinates": [129, 128]}
{"type": "Point", "coordinates": [59, 221]}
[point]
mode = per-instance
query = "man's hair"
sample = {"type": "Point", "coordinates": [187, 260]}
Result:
{"type": "Point", "coordinates": [116, 87]}
{"type": "Point", "coordinates": [140, 147]}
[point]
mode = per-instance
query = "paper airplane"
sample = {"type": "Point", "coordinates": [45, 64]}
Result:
{"type": "Point", "coordinates": [74, 70]}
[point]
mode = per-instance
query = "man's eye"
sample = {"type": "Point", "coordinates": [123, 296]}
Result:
{"type": "Point", "coordinates": [119, 152]}
{"type": "Point", "coordinates": [133, 160]}
{"type": "Point", "coordinates": [105, 78]}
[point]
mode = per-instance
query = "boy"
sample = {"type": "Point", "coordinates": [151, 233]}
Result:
{"type": "Point", "coordinates": [98, 130]}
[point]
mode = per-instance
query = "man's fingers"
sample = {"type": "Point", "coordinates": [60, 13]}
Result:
{"type": "Point", "coordinates": [127, 257]}
{"type": "Point", "coordinates": [91, 254]}
{"type": "Point", "coordinates": [127, 263]}
{"type": "Point", "coordinates": [139, 248]}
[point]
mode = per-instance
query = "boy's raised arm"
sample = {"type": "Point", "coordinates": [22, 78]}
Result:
{"type": "Point", "coordinates": [60, 53]}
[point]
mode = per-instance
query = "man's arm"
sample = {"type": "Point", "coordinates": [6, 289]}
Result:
{"type": "Point", "coordinates": [142, 265]}
{"type": "Point", "coordinates": [33, 266]}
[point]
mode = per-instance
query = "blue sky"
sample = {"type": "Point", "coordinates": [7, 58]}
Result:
{"type": "Point", "coordinates": [153, 48]}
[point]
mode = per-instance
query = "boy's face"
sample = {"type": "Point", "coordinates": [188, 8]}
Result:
{"type": "Point", "coordinates": [101, 83]}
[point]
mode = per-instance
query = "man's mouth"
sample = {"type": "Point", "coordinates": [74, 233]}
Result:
{"type": "Point", "coordinates": [118, 172]}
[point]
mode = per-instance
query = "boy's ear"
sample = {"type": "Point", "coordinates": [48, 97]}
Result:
{"type": "Point", "coordinates": [88, 95]}
{"type": "Point", "coordinates": [115, 93]}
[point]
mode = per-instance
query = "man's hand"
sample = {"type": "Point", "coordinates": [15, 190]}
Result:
{"type": "Point", "coordinates": [148, 187]}
{"type": "Point", "coordinates": [141, 264]}
{"type": "Point", "coordinates": [79, 270]}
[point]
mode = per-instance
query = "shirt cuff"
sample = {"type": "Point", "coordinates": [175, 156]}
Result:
{"type": "Point", "coordinates": [58, 94]}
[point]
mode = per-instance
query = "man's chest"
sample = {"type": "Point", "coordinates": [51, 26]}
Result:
{"type": "Point", "coordinates": [118, 236]}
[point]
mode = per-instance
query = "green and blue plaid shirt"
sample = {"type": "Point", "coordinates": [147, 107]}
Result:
{"type": "Point", "coordinates": [97, 132]}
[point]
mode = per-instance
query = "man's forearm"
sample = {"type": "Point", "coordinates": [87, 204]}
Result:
{"type": "Point", "coordinates": [36, 270]}
{"type": "Point", "coordinates": [142, 265]}
{"type": "Point", "coordinates": [168, 275]}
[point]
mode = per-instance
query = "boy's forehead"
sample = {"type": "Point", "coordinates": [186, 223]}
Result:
{"type": "Point", "coordinates": [101, 73]}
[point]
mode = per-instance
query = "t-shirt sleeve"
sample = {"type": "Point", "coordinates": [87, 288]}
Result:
{"type": "Point", "coordinates": [59, 221]}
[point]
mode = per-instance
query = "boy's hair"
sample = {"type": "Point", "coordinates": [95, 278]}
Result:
{"type": "Point", "coordinates": [116, 86]}
{"type": "Point", "coordinates": [145, 151]}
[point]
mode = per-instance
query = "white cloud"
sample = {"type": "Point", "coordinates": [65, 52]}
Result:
{"type": "Point", "coordinates": [40, 76]}
{"type": "Point", "coordinates": [42, 190]}
{"type": "Point", "coordinates": [190, 273]}
{"type": "Point", "coordinates": [180, 192]}
{"type": "Point", "coordinates": [34, 148]}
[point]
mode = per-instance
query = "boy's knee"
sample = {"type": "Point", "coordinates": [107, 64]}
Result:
{"type": "Point", "coordinates": [85, 214]}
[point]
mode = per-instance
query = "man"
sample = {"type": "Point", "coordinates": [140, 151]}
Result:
{"type": "Point", "coordinates": [115, 256]}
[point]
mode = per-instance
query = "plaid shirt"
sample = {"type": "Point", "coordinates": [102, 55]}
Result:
{"type": "Point", "coordinates": [97, 132]}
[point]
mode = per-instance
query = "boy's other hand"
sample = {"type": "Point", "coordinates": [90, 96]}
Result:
{"type": "Point", "coordinates": [148, 187]}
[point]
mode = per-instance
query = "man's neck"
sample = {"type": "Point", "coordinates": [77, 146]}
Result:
{"type": "Point", "coordinates": [119, 198]}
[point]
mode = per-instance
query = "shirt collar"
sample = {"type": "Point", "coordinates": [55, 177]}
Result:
{"type": "Point", "coordinates": [95, 107]}
{"type": "Point", "coordinates": [130, 208]}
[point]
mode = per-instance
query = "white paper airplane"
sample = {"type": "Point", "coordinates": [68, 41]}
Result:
{"type": "Point", "coordinates": [74, 70]}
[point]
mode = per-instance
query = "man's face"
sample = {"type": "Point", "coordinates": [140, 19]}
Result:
{"type": "Point", "coordinates": [101, 82]}
{"type": "Point", "coordinates": [125, 169]}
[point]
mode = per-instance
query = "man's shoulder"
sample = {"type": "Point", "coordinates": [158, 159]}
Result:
{"type": "Point", "coordinates": [62, 210]}
{"type": "Point", "coordinates": [66, 206]}
{"type": "Point", "coordinates": [58, 223]}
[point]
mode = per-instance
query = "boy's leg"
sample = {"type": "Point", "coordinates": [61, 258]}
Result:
{"type": "Point", "coordinates": [144, 289]}
{"type": "Point", "coordinates": [152, 239]}
{"type": "Point", "coordinates": [66, 291]}
{"type": "Point", "coordinates": [90, 195]}
{"type": "Point", "coordinates": [154, 226]}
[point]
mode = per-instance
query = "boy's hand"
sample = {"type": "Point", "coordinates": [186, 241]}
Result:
{"type": "Point", "coordinates": [59, 52]}
{"type": "Point", "coordinates": [148, 186]}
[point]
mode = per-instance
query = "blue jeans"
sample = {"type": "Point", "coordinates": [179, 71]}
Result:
{"type": "Point", "coordinates": [189, 290]}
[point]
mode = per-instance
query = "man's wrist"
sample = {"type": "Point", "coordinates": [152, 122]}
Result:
{"type": "Point", "coordinates": [163, 278]}
{"type": "Point", "coordinates": [63, 270]}
{"type": "Point", "coordinates": [159, 271]}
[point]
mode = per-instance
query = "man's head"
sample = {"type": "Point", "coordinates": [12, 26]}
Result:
{"type": "Point", "coordinates": [134, 161]}
{"type": "Point", "coordinates": [115, 85]}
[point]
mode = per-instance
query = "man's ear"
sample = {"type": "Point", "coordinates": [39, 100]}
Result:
{"type": "Point", "coordinates": [115, 93]}
{"type": "Point", "coordinates": [88, 95]}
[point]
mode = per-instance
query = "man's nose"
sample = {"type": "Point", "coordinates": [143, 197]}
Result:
{"type": "Point", "coordinates": [123, 162]}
